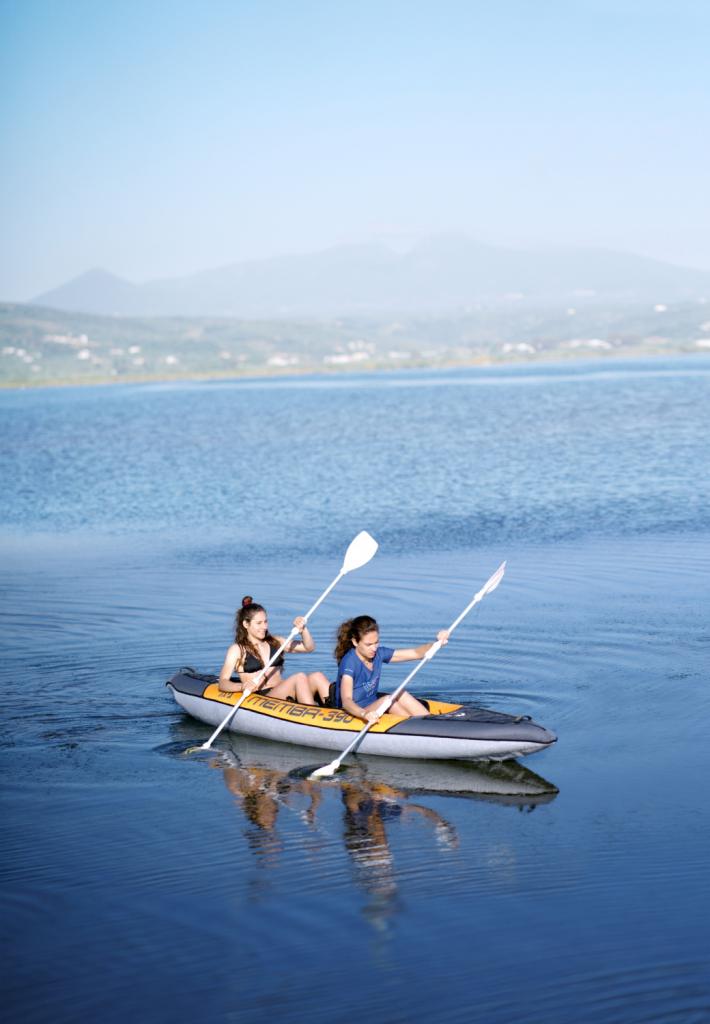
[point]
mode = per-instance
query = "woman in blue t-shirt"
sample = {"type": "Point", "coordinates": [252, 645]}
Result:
{"type": "Point", "coordinates": [360, 659]}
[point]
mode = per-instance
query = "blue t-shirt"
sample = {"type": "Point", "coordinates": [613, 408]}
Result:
{"type": "Point", "coordinates": [365, 680]}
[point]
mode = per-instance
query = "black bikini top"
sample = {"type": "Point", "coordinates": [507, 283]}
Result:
{"type": "Point", "coordinates": [254, 664]}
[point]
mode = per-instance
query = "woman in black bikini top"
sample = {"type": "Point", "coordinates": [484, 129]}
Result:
{"type": "Point", "coordinates": [253, 664]}
{"type": "Point", "coordinates": [252, 649]}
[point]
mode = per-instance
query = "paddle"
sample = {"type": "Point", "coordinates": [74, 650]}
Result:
{"type": "Point", "coordinates": [359, 553]}
{"type": "Point", "coordinates": [330, 769]}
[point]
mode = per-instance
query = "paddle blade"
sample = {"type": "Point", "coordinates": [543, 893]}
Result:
{"type": "Point", "coordinates": [327, 769]}
{"type": "Point", "coordinates": [493, 581]}
{"type": "Point", "coordinates": [361, 550]}
{"type": "Point", "coordinates": [202, 746]}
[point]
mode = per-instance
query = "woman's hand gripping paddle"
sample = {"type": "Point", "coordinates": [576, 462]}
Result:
{"type": "Point", "coordinates": [330, 769]}
{"type": "Point", "coordinates": [359, 553]}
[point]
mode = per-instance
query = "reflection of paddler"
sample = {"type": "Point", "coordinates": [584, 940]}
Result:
{"type": "Point", "coordinates": [255, 790]}
{"type": "Point", "coordinates": [262, 791]}
{"type": "Point", "coordinates": [367, 809]}
{"type": "Point", "coordinates": [369, 806]}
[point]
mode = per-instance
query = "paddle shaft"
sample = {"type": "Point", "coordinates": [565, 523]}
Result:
{"type": "Point", "coordinates": [324, 595]}
{"type": "Point", "coordinates": [436, 646]}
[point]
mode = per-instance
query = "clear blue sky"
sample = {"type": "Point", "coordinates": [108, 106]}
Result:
{"type": "Point", "coordinates": [161, 138]}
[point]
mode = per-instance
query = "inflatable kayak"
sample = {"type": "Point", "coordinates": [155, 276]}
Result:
{"type": "Point", "coordinates": [449, 731]}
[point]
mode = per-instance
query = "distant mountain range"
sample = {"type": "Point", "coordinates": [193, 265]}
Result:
{"type": "Point", "coordinates": [443, 274]}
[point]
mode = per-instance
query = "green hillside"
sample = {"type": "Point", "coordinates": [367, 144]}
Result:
{"type": "Point", "coordinates": [44, 346]}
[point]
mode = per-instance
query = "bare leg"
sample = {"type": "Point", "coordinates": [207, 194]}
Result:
{"type": "Point", "coordinates": [405, 706]}
{"type": "Point", "coordinates": [380, 702]}
{"type": "Point", "coordinates": [320, 684]}
{"type": "Point", "coordinates": [408, 707]}
{"type": "Point", "coordinates": [309, 685]}
{"type": "Point", "coordinates": [285, 688]}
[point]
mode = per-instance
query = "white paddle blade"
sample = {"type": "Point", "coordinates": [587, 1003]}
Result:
{"type": "Point", "coordinates": [361, 550]}
{"type": "Point", "coordinates": [327, 769]}
{"type": "Point", "coordinates": [493, 581]}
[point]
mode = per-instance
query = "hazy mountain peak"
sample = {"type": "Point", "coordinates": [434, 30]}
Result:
{"type": "Point", "coordinates": [440, 274]}
{"type": "Point", "coordinates": [95, 291]}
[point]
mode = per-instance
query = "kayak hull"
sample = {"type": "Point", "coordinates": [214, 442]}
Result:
{"type": "Point", "coordinates": [450, 731]}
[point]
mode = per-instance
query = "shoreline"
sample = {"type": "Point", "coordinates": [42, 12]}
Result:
{"type": "Point", "coordinates": [483, 363]}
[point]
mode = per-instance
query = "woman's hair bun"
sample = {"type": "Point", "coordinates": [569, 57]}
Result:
{"type": "Point", "coordinates": [246, 601]}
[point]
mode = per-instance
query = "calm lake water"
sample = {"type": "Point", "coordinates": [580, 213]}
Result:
{"type": "Point", "coordinates": [572, 886]}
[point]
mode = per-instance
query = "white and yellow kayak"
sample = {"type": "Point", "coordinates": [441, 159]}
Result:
{"type": "Point", "coordinates": [449, 731]}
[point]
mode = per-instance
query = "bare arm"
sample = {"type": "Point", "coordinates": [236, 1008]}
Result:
{"type": "Point", "coordinates": [417, 653]}
{"type": "Point", "coordinates": [306, 644]}
{"type": "Point", "coordinates": [226, 684]}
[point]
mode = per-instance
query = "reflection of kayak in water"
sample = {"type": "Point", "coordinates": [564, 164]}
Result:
{"type": "Point", "coordinates": [501, 782]}
{"type": "Point", "coordinates": [449, 731]}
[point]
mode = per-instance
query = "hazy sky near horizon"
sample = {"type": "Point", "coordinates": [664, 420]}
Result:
{"type": "Point", "coordinates": [155, 139]}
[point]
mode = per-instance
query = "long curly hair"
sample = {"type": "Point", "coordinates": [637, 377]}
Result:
{"type": "Point", "coordinates": [245, 614]}
{"type": "Point", "coordinates": [352, 629]}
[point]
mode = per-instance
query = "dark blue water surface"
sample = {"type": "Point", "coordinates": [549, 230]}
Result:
{"type": "Point", "coordinates": [143, 884]}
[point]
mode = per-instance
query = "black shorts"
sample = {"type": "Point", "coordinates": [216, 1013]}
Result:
{"type": "Point", "coordinates": [329, 702]}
